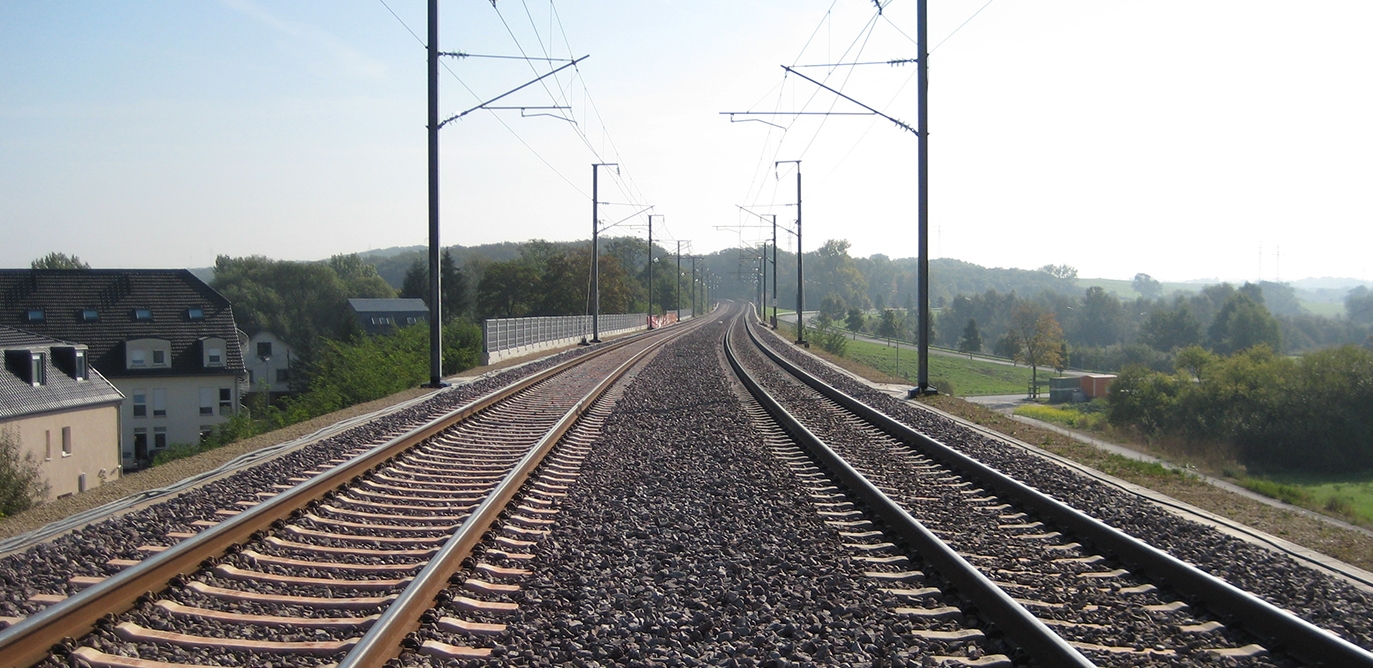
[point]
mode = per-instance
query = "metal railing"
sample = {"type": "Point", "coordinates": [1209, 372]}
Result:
{"type": "Point", "coordinates": [503, 338]}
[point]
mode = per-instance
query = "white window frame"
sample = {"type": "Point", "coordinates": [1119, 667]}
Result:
{"type": "Point", "coordinates": [207, 401]}
{"type": "Point", "coordinates": [140, 400]}
{"type": "Point", "coordinates": [138, 358]}
{"type": "Point", "coordinates": [159, 402]}
{"type": "Point", "coordinates": [67, 441]}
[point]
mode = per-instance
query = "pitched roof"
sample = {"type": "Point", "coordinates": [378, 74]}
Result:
{"type": "Point", "coordinates": [99, 308]}
{"type": "Point", "coordinates": [19, 397]}
{"type": "Point", "coordinates": [388, 305]}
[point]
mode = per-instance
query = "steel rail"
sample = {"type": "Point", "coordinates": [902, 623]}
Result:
{"type": "Point", "coordinates": [383, 641]}
{"type": "Point", "coordinates": [1278, 629]}
{"type": "Point", "coordinates": [31, 640]}
{"type": "Point", "coordinates": [1019, 624]}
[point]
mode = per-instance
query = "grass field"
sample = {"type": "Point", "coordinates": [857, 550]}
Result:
{"type": "Point", "coordinates": [1348, 497]}
{"type": "Point", "coordinates": [963, 376]}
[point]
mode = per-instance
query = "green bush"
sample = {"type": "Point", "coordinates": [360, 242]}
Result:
{"type": "Point", "coordinates": [22, 485]}
{"type": "Point", "coordinates": [832, 341]}
{"type": "Point", "coordinates": [1282, 414]}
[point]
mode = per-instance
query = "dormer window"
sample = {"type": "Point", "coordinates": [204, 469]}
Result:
{"type": "Point", "coordinates": [213, 350]}
{"type": "Point", "coordinates": [36, 315]}
{"type": "Point", "coordinates": [195, 313]}
{"type": "Point", "coordinates": [39, 375]}
{"type": "Point", "coordinates": [72, 361]}
{"type": "Point", "coordinates": [143, 315]}
{"type": "Point", "coordinates": [90, 315]}
{"type": "Point", "coordinates": [144, 353]}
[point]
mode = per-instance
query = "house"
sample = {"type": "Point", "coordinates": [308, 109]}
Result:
{"type": "Point", "coordinates": [59, 410]}
{"type": "Point", "coordinates": [268, 360]}
{"type": "Point", "coordinates": [163, 337]}
{"type": "Point", "coordinates": [381, 316]}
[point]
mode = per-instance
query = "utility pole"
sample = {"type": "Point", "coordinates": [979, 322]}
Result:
{"type": "Point", "coordinates": [435, 307]}
{"type": "Point", "coordinates": [679, 280]}
{"type": "Point", "coordinates": [693, 286]}
{"type": "Point", "coordinates": [650, 267]}
{"type": "Point", "coordinates": [774, 271]}
{"type": "Point", "coordinates": [800, 261]}
{"type": "Point", "coordinates": [596, 252]}
{"type": "Point", "coordinates": [923, 262]}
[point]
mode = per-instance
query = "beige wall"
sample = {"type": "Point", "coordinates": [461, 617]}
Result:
{"type": "Point", "coordinates": [181, 402]}
{"type": "Point", "coordinates": [94, 446]}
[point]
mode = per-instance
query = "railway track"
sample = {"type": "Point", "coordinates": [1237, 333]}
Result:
{"type": "Point", "coordinates": [1064, 588]}
{"type": "Point", "coordinates": [338, 565]}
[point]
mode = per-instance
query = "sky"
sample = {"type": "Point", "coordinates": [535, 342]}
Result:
{"type": "Point", "coordinates": [1224, 139]}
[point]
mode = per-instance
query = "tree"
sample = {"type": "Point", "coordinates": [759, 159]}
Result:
{"type": "Point", "coordinates": [298, 301]}
{"type": "Point", "coordinates": [832, 307]}
{"type": "Point", "coordinates": [22, 485]}
{"type": "Point", "coordinates": [507, 289]}
{"type": "Point", "coordinates": [59, 261]}
{"type": "Point", "coordinates": [1358, 305]}
{"type": "Point", "coordinates": [1243, 323]}
{"type": "Point", "coordinates": [1061, 271]}
{"type": "Point", "coordinates": [1037, 338]}
{"type": "Point", "coordinates": [360, 278]}
{"type": "Point", "coordinates": [1098, 320]}
{"type": "Point", "coordinates": [416, 283]}
{"type": "Point", "coordinates": [854, 320]}
{"type": "Point", "coordinates": [1146, 286]}
{"type": "Point", "coordinates": [890, 326]}
{"type": "Point", "coordinates": [452, 287]}
{"type": "Point", "coordinates": [971, 341]}
{"type": "Point", "coordinates": [1167, 329]}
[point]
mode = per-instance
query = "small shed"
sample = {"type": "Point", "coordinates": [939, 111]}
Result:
{"type": "Point", "coordinates": [1064, 390]}
{"type": "Point", "coordinates": [1096, 385]}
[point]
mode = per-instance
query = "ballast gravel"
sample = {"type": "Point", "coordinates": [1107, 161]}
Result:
{"type": "Point", "coordinates": [684, 543]}
{"type": "Point", "coordinates": [1319, 598]}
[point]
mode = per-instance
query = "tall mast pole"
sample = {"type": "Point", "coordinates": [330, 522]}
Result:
{"type": "Point", "coordinates": [679, 280]}
{"type": "Point", "coordinates": [650, 271]}
{"type": "Point", "coordinates": [800, 267]}
{"type": "Point", "coordinates": [435, 307]}
{"type": "Point", "coordinates": [693, 286]}
{"type": "Point", "coordinates": [595, 261]}
{"type": "Point", "coordinates": [774, 271]}
{"type": "Point", "coordinates": [923, 266]}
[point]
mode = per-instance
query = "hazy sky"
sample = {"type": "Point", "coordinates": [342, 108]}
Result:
{"type": "Point", "coordinates": [1184, 139]}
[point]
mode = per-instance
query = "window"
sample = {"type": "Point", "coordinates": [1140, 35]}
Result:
{"type": "Point", "coordinates": [283, 375]}
{"type": "Point", "coordinates": [143, 314]}
{"type": "Point", "coordinates": [214, 357]}
{"type": "Point", "coordinates": [66, 441]}
{"type": "Point", "coordinates": [81, 483]}
{"type": "Point", "coordinates": [40, 369]}
{"type": "Point", "coordinates": [138, 358]}
{"type": "Point", "coordinates": [195, 313]}
{"type": "Point", "coordinates": [264, 348]}
{"type": "Point", "coordinates": [90, 315]}
{"type": "Point", "coordinates": [36, 315]}
{"type": "Point", "coordinates": [207, 401]}
{"type": "Point", "coordinates": [79, 371]}
{"type": "Point", "coordinates": [159, 437]}
{"type": "Point", "coordinates": [159, 358]}
{"type": "Point", "coordinates": [47, 436]}
{"type": "Point", "coordinates": [226, 401]}
{"type": "Point", "coordinates": [159, 402]}
{"type": "Point", "coordinates": [409, 320]}
{"type": "Point", "coordinates": [140, 403]}
{"type": "Point", "coordinates": [252, 377]}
